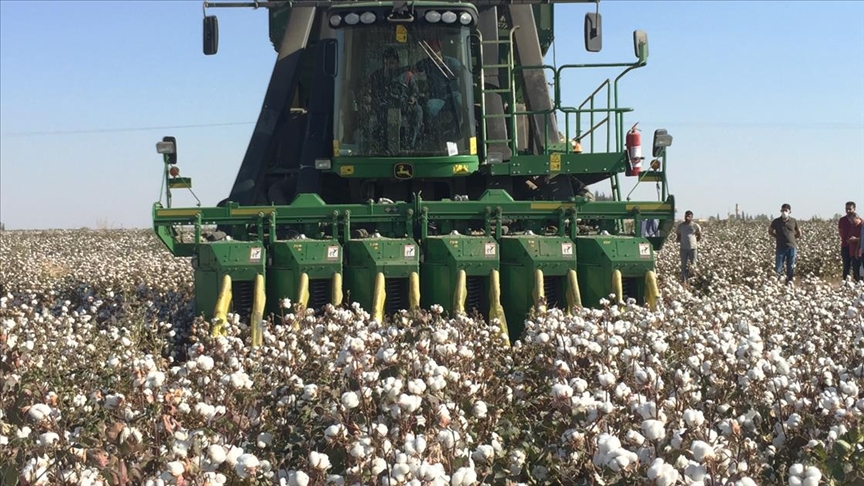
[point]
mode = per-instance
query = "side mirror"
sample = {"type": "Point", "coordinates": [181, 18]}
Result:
{"type": "Point", "coordinates": [640, 45]}
{"type": "Point", "coordinates": [662, 139]}
{"type": "Point", "coordinates": [593, 32]}
{"type": "Point", "coordinates": [211, 34]}
{"type": "Point", "coordinates": [331, 62]}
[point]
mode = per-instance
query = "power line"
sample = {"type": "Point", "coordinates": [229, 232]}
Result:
{"type": "Point", "coordinates": [126, 129]}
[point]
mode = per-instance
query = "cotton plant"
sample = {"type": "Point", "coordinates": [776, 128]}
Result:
{"type": "Point", "coordinates": [735, 378]}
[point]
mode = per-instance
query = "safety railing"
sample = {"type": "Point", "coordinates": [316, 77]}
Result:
{"type": "Point", "coordinates": [587, 111]}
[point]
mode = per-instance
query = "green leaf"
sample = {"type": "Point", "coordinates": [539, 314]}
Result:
{"type": "Point", "coordinates": [9, 475]}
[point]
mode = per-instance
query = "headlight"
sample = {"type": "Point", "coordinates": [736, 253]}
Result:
{"type": "Point", "coordinates": [367, 17]}
{"type": "Point", "coordinates": [352, 18]}
{"type": "Point", "coordinates": [465, 18]}
{"type": "Point", "coordinates": [335, 20]}
{"type": "Point", "coordinates": [433, 17]}
{"type": "Point", "coordinates": [448, 17]}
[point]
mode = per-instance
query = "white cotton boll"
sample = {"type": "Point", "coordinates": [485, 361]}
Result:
{"type": "Point", "coordinates": [154, 379]}
{"type": "Point", "coordinates": [634, 437]}
{"type": "Point", "coordinates": [175, 468]}
{"type": "Point", "coordinates": [399, 472]}
{"type": "Point", "coordinates": [217, 454]}
{"type": "Point", "coordinates": [849, 388]}
{"type": "Point", "coordinates": [350, 400]}
{"type": "Point", "coordinates": [233, 453]}
{"type": "Point", "coordinates": [319, 461]}
{"type": "Point", "coordinates": [247, 466]}
{"type": "Point", "coordinates": [693, 418]}
{"type": "Point", "coordinates": [417, 386]}
{"type": "Point", "coordinates": [39, 412]}
{"type": "Point", "coordinates": [378, 466]}
{"type": "Point", "coordinates": [448, 438]}
{"type": "Point", "coordinates": [606, 379]}
{"type": "Point", "coordinates": [745, 481]}
{"type": "Point", "coordinates": [483, 454]}
{"type": "Point", "coordinates": [48, 438]}
{"type": "Point", "coordinates": [701, 450]}
{"type": "Point", "coordinates": [479, 409]}
{"type": "Point", "coordinates": [653, 429]}
{"type": "Point", "coordinates": [334, 431]}
{"type": "Point", "coordinates": [696, 472]}
{"type": "Point", "coordinates": [561, 391]}
{"type": "Point", "coordinates": [464, 476]}
{"type": "Point", "coordinates": [204, 363]}
{"type": "Point", "coordinates": [298, 478]}
{"type": "Point", "coordinates": [813, 472]}
{"type": "Point", "coordinates": [410, 403]}
{"type": "Point", "coordinates": [23, 432]}
{"type": "Point", "coordinates": [794, 421]}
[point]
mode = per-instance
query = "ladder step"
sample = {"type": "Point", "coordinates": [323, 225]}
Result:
{"type": "Point", "coordinates": [497, 66]}
{"type": "Point", "coordinates": [497, 115]}
{"type": "Point", "coordinates": [503, 140]}
{"type": "Point", "coordinates": [497, 90]}
{"type": "Point", "coordinates": [498, 41]}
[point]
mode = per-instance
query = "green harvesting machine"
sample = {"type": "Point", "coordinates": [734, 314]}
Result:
{"type": "Point", "coordinates": [412, 153]}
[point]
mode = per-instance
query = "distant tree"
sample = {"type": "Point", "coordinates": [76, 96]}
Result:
{"type": "Point", "coordinates": [601, 196]}
{"type": "Point", "coordinates": [2, 227]}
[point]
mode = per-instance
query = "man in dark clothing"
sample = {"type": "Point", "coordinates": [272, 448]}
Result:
{"type": "Point", "coordinates": [849, 242]}
{"type": "Point", "coordinates": [786, 231]}
{"type": "Point", "coordinates": [391, 91]}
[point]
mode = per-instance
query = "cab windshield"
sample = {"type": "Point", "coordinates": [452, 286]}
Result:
{"type": "Point", "coordinates": [403, 91]}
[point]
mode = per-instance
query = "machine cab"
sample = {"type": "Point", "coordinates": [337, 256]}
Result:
{"type": "Point", "coordinates": [403, 85]}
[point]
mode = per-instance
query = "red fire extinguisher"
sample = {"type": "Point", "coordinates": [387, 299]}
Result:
{"type": "Point", "coordinates": [634, 152]}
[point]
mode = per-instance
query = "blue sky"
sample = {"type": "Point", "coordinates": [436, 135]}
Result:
{"type": "Point", "coordinates": [765, 101]}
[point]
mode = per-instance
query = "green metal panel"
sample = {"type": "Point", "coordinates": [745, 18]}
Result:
{"type": "Point", "coordinates": [600, 255]}
{"type": "Point", "coordinates": [405, 167]}
{"type": "Point", "coordinates": [444, 256]}
{"type": "Point", "coordinates": [242, 260]}
{"type": "Point", "coordinates": [520, 257]}
{"type": "Point", "coordinates": [318, 259]}
{"type": "Point", "coordinates": [364, 259]}
{"type": "Point", "coordinates": [585, 163]}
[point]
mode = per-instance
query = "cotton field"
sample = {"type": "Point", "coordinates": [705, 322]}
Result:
{"type": "Point", "coordinates": [107, 378]}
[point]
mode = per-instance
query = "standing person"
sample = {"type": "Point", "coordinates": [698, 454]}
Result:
{"type": "Point", "coordinates": [855, 248]}
{"type": "Point", "coordinates": [849, 241]}
{"type": "Point", "coordinates": [786, 232]}
{"type": "Point", "coordinates": [861, 252]}
{"type": "Point", "coordinates": [688, 234]}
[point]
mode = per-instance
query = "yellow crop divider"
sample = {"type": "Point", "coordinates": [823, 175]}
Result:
{"type": "Point", "coordinates": [539, 291]}
{"type": "Point", "coordinates": [461, 293]}
{"type": "Point", "coordinates": [220, 313]}
{"type": "Point", "coordinates": [379, 296]}
{"type": "Point", "coordinates": [574, 296]}
{"type": "Point", "coordinates": [496, 310]}
{"type": "Point", "coordinates": [257, 325]}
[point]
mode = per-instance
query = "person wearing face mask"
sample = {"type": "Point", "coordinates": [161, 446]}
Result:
{"type": "Point", "coordinates": [786, 232]}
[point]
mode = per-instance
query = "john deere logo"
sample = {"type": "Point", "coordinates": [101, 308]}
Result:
{"type": "Point", "coordinates": [403, 171]}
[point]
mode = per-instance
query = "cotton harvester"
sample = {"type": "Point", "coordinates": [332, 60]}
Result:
{"type": "Point", "coordinates": [409, 153]}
